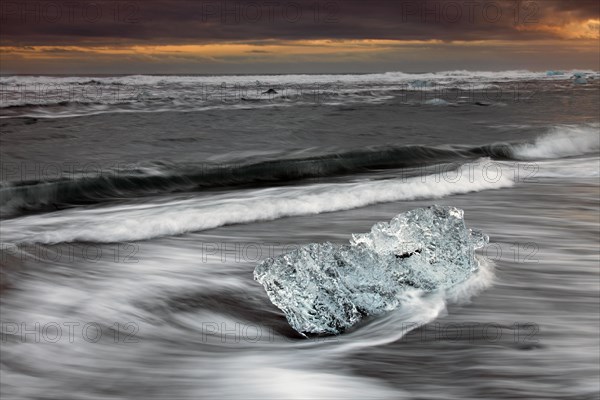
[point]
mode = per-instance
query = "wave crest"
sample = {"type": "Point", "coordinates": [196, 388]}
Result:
{"type": "Point", "coordinates": [562, 141]}
{"type": "Point", "coordinates": [144, 221]}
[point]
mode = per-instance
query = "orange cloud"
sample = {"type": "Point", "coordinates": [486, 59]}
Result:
{"type": "Point", "coordinates": [207, 57]}
{"type": "Point", "coordinates": [589, 29]}
{"type": "Point", "coordinates": [262, 49]}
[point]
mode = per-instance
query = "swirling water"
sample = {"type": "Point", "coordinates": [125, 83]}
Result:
{"type": "Point", "coordinates": [130, 238]}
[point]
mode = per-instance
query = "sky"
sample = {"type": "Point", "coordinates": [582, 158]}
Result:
{"type": "Point", "coordinates": [300, 36]}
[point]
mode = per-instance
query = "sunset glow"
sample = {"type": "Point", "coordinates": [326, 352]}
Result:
{"type": "Point", "coordinates": [196, 38]}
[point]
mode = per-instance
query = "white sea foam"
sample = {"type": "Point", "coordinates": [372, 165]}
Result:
{"type": "Point", "coordinates": [417, 310]}
{"type": "Point", "coordinates": [561, 141]}
{"type": "Point", "coordinates": [144, 221]}
{"type": "Point", "coordinates": [581, 167]}
{"type": "Point", "coordinates": [387, 77]}
{"type": "Point", "coordinates": [85, 95]}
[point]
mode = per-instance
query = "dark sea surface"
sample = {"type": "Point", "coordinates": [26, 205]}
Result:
{"type": "Point", "coordinates": [135, 208]}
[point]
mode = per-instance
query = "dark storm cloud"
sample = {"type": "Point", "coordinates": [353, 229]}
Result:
{"type": "Point", "coordinates": [181, 21]}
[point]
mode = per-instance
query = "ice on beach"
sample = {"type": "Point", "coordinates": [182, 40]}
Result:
{"type": "Point", "coordinates": [419, 83]}
{"type": "Point", "coordinates": [580, 78]}
{"type": "Point", "coordinates": [554, 73]}
{"type": "Point", "coordinates": [327, 288]}
{"type": "Point", "coordinates": [436, 102]}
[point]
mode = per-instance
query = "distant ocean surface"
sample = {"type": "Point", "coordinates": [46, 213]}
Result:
{"type": "Point", "coordinates": [135, 208]}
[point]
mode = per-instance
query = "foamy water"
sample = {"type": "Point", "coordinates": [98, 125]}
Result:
{"type": "Point", "coordinates": [138, 283]}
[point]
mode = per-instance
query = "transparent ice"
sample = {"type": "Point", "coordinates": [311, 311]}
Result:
{"type": "Point", "coordinates": [326, 288]}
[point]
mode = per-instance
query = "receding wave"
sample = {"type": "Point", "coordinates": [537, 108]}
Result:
{"type": "Point", "coordinates": [148, 220]}
{"type": "Point", "coordinates": [572, 168]}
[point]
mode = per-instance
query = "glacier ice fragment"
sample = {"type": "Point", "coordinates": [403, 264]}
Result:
{"type": "Point", "coordinates": [327, 288]}
{"type": "Point", "coordinates": [436, 102]}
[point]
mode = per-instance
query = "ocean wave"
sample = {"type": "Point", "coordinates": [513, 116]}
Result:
{"type": "Point", "coordinates": [161, 178]}
{"type": "Point", "coordinates": [173, 217]}
{"type": "Point", "coordinates": [59, 104]}
{"type": "Point", "coordinates": [573, 168]}
{"type": "Point", "coordinates": [189, 92]}
{"type": "Point", "coordinates": [562, 141]}
{"type": "Point", "coordinates": [273, 80]}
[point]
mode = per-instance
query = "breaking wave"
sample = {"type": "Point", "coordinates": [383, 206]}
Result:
{"type": "Point", "coordinates": [563, 141]}
{"type": "Point", "coordinates": [173, 217]}
{"type": "Point", "coordinates": [156, 179]}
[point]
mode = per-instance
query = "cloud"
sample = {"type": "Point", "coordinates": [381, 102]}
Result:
{"type": "Point", "coordinates": [199, 21]}
{"type": "Point", "coordinates": [187, 36]}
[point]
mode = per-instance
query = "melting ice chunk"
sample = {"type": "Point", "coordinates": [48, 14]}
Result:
{"type": "Point", "coordinates": [436, 102]}
{"type": "Point", "coordinates": [326, 288]}
{"type": "Point", "coordinates": [580, 78]}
